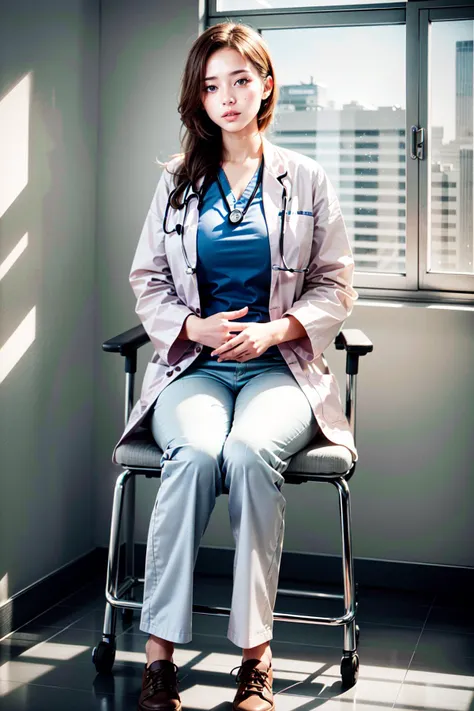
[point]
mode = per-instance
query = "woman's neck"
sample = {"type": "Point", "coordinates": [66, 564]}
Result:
{"type": "Point", "coordinates": [238, 150]}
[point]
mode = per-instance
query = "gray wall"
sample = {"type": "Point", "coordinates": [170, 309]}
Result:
{"type": "Point", "coordinates": [413, 485]}
{"type": "Point", "coordinates": [46, 516]}
{"type": "Point", "coordinates": [143, 47]}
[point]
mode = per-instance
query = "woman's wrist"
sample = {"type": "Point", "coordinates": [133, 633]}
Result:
{"type": "Point", "coordinates": [285, 329]}
{"type": "Point", "coordinates": [189, 330]}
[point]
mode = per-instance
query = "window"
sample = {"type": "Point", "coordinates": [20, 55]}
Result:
{"type": "Point", "coordinates": [229, 5]}
{"type": "Point", "coordinates": [354, 77]}
{"type": "Point", "coordinates": [451, 146]}
{"type": "Point", "coordinates": [348, 120]}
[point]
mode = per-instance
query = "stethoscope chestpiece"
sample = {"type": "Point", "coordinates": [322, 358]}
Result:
{"type": "Point", "coordinates": [236, 216]}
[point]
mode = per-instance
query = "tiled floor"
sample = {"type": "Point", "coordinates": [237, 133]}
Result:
{"type": "Point", "coordinates": [416, 651]}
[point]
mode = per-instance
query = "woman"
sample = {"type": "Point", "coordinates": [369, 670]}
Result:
{"type": "Point", "coordinates": [239, 320]}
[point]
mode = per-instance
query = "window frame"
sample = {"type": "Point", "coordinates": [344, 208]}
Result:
{"type": "Point", "coordinates": [416, 284]}
{"type": "Point", "coordinates": [428, 13]}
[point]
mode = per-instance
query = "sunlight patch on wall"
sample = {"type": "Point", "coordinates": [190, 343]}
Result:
{"type": "Point", "coordinates": [4, 589]}
{"type": "Point", "coordinates": [14, 135]}
{"type": "Point", "coordinates": [17, 344]}
{"type": "Point", "coordinates": [15, 254]}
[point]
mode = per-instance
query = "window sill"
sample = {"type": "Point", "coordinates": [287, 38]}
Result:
{"type": "Point", "coordinates": [426, 299]}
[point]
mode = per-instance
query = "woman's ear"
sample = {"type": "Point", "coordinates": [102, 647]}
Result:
{"type": "Point", "coordinates": [268, 86]}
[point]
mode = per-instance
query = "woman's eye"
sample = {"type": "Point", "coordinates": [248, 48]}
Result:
{"type": "Point", "coordinates": [210, 88]}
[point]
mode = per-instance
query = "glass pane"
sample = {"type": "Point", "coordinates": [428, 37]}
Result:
{"type": "Point", "coordinates": [450, 212]}
{"type": "Point", "coordinates": [342, 106]}
{"type": "Point", "coordinates": [229, 5]}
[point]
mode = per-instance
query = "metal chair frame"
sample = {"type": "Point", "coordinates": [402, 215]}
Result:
{"type": "Point", "coordinates": [119, 594]}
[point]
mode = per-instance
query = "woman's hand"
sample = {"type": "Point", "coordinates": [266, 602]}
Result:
{"type": "Point", "coordinates": [251, 342]}
{"type": "Point", "coordinates": [215, 330]}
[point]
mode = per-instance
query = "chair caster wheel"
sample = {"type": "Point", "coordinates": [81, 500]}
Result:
{"type": "Point", "coordinates": [103, 657]}
{"type": "Point", "coordinates": [127, 616]}
{"type": "Point", "coordinates": [350, 670]}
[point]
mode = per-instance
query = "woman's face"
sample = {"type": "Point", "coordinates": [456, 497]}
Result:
{"type": "Point", "coordinates": [232, 84]}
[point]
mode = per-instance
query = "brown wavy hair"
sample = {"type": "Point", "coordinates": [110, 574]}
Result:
{"type": "Point", "coordinates": [202, 141]}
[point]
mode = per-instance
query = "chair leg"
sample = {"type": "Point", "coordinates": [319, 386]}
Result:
{"type": "Point", "coordinates": [350, 643]}
{"type": "Point", "coordinates": [110, 616]}
{"type": "Point", "coordinates": [130, 531]}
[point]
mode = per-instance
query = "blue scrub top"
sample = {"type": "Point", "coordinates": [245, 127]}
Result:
{"type": "Point", "coordinates": [233, 261]}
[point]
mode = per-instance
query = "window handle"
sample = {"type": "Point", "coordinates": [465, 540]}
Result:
{"type": "Point", "coordinates": [417, 143]}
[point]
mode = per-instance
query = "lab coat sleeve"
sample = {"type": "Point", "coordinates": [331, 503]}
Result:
{"type": "Point", "coordinates": [161, 312]}
{"type": "Point", "coordinates": [328, 297]}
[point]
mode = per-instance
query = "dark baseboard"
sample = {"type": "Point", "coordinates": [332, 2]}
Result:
{"type": "Point", "coordinates": [48, 591]}
{"type": "Point", "coordinates": [449, 581]}
{"type": "Point", "coordinates": [453, 582]}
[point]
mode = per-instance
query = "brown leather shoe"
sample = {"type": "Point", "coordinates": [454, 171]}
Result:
{"type": "Point", "coordinates": [160, 687]}
{"type": "Point", "coordinates": [255, 681]}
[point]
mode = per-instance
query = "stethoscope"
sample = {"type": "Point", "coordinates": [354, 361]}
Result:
{"type": "Point", "coordinates": [234, 217]}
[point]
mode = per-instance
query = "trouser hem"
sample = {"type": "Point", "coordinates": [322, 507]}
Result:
{"type": "Point", "coordinates": [176, 636]}
{"type": "Point", "coordinates": [253, 641]}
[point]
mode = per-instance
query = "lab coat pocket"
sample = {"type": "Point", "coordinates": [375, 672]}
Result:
{"type": "Point", "coordinates": [298, 239]}
{"type": "Point", "coordinates": [329, 394]}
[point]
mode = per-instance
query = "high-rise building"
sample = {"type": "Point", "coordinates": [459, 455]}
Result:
{"type": "Point", "coordinates": [301, 97]}
{"type": "Point", "coordinates": [466, 209]}
{"type": "Point", "coordinates": [363, 152]}
{"type": "Point", "coordinates": [444, 216]}
{"type": "Point", "coordinates": [464, 95]}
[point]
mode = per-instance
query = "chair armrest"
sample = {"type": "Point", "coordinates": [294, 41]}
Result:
{"type": "Point", "coordinates": [127, 342]}
{"type": "Point", "coordinates": [353, 341]}
{"type": "Point", "coordinates": [356, 344]}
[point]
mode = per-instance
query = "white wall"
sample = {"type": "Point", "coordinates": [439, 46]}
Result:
{"type": "Point", "coordinates": [47, 398]}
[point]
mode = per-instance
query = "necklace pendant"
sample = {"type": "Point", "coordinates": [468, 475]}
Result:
{"type": "Point", "coordinates": [235, 216]}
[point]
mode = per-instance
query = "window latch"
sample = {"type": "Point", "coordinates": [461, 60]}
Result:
{"type": "Point", "coordinates": [417, 143]}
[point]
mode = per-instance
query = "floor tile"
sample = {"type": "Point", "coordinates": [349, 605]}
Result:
{"type": "Point", "coordinates": [30, 697]}
{"type": "Point", "coordinates": [90, 595]}
{"type": "Point", "coordinates": [384, 637]}
{"type": "Point", "coordinates": [47, 663]}
{"type": "Point", "coordinates": [456, 597]}
{"type": "Point", "coordinates": [59, 617]}
{"type": "Point", "coordinates": [378, 693]}
{"type": "Point", "coordinates": [440, 682]}
{"type": "Point", "coordinates": [18, 642]}
{"type": "Point", "coordinates": [454, 667]}
{"type": "Point", "coordinates": [451, 619]}
{"type": "Point", "coordinates": [437, 646]}
{"type": "Point", "coordinates": [373, 610]}
{"type": "Point", "coordinates": [434, 696]}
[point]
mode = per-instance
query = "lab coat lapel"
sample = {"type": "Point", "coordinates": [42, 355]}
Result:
{"type": "Point", "coordinates": [272, 204]}
{"type": "Point", "coordinates": [190, 241]}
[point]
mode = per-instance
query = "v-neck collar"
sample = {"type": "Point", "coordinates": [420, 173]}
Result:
{"type": "Point", "coordinates": [228, 189]}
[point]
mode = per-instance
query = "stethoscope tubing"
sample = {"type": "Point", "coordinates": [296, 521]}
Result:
{"type": "Point", "coordinates": [179, 228]}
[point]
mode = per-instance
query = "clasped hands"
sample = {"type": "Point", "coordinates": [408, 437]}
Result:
{"type": "Point", "coordinates": [218, 332]}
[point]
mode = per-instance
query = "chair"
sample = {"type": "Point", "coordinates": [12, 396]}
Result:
{"type": "Point", "coordinates": [322, 461]}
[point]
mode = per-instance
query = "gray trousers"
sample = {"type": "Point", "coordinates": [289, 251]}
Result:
{"type": "Point", "coordinates": [234, 422]}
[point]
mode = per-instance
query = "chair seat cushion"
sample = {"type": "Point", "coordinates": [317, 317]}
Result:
{"type": "Point", "coordinates": [320, 457]}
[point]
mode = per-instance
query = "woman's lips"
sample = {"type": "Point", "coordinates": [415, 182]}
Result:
{"type": "Point", "coordinates": [231, 117]}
